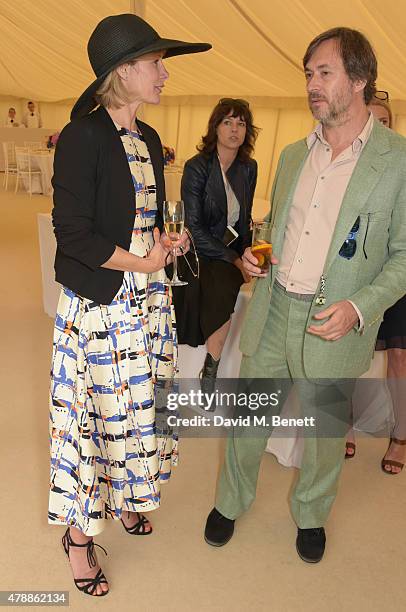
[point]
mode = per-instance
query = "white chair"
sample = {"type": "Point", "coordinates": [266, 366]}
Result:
{"type": "Point", "coordinates": [24, 168]}
{"type": "Point", "coordinates": [10, 165]}
{"type": "Point", "coordinates": [34, 145]}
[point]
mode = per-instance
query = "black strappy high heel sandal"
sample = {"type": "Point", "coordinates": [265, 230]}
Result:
{"type": "Point", "coordinates": [86, 585]}
{"type": "Point", "coordinates": [138, 528]}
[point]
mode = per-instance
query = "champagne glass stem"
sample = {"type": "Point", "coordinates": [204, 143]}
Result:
{"type": "Point", "coordinates": [175, 266]}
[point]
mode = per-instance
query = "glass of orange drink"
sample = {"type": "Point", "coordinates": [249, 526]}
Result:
{"type": "Point", "coordinates": [261, 244]}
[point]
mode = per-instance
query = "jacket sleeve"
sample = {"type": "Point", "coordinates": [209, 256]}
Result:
{"type": "Point", "coordinates": [75, 197]}
{"type": "Point", "coordinates": [246, 236]}
{"type": "Point", "coordinates": [192, 189]}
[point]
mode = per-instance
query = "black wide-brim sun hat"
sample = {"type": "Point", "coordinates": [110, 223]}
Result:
{"type": "Point", "coordinates": [118, 39]}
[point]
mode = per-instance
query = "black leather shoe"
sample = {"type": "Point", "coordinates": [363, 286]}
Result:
{"type": "Point", "coordinates": [219, 529]}
{"type": "Point", "coordinates": [310, 544]}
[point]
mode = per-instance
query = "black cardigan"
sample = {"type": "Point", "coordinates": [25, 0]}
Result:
{"type": "Point", "coordinates": [206, 204]}
{"type": "Point", "coordinates": [94, 202]}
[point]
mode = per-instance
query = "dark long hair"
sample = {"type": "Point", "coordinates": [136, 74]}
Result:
{"type": "Point", "coordinates": [357, 54]}
{"type": "Point", "coordinates": [238, 108]}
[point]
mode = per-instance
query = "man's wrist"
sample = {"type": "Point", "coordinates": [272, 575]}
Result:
{"type": "Point", "coordinates": [360, 325]}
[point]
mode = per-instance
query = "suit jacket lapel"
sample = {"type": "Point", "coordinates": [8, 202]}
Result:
{"type": "Point", "coordinates": [367, 172]}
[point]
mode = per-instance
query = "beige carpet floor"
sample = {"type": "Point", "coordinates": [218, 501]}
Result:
{"type": "Point", "coordinates": [174, 570]}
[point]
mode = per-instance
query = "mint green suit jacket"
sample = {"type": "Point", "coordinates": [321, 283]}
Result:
{"type": "Point", "coordinates": [374, 279]}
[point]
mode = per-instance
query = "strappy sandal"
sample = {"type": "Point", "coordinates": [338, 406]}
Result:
{"type": "Point", "coordinates": [392, 462]}
{"type": "Point", "coordinates": [139, 528]}
{"type": "Point", "coordinates": [353, 447]}
{"type": "Point", "coordinates": [86, 585]}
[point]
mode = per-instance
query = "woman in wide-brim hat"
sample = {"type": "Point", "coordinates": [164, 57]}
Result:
{"type": "Point", "coordinates": [115, 329]}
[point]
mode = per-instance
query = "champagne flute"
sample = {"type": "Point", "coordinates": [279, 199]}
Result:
{"type": "Point", "coordinates": [174, 220]}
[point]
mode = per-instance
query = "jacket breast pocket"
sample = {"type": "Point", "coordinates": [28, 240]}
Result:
{"type": "Point", "coordinates": [374, 227]}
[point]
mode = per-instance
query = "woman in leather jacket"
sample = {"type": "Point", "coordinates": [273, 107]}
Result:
{"type": "Point", "coordinates": [218, 186]}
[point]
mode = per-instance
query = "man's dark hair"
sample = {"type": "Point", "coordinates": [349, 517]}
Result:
{"type": "Point", "coordinates": [357, 54]}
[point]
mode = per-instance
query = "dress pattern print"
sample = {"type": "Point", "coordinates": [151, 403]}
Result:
{"type": "Point", "coordinates": [105, 456]}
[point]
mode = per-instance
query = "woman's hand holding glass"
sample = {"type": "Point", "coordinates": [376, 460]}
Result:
{"type": "Point", "coordinates": [183, 244]}
{"type": "Point", "coordinates": [157, 258]}
{"type": "Point", "coordinates": [161, 253]}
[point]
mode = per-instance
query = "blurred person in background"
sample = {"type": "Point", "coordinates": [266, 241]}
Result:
{"type": "Point", "coordinates": [11, 120]}
{"type": "Point", "coordinates": [392, 339]}
{"type": "Point", "coordinates": [32, 118]}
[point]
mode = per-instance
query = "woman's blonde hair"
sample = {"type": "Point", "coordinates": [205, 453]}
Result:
{"type": "Point", "coordinates": [112, 93]}
{"type": "Point", "coordinates": [385, 105]}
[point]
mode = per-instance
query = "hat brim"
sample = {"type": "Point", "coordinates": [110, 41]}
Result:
{"type": "Point", "coordinates": [86, 103]}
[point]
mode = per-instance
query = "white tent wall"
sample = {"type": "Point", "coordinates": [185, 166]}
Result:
{"type": "Point", "coordinates": [53, 115]}
{"type": "Point", "coordinates": [281, 122]}
{"type": "Point", "coordinates": [257, 53]}
{"type": "Point", "coordinates": [182, 126]}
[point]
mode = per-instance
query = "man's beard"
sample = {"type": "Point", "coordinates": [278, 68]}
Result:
{"type": "Point", "coordinates": [335, 112]}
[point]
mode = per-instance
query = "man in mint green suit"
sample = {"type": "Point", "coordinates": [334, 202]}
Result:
{"type": "Point", "coordinates": [338, 214]}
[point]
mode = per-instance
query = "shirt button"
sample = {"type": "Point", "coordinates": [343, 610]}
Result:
{"type": "Point", "coordinates": [328, 150]}
{"type": "Point", "coordinates": [307, 233]}
{"type": "Point", "coordinates": [322, 177]}
{"type": "Point", "coordinates": [316, 205]}
{"type": "Point", "coordinates": [292, 284]}
{"type": "Point", "coordinates": [300, 260]}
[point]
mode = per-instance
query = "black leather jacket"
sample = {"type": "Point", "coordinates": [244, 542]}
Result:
{"type": "Point", "coordinates": [205, 201]}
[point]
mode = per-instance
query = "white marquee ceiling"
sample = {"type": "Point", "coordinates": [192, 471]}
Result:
{"type": "Point", "coordinates": [257, 44]}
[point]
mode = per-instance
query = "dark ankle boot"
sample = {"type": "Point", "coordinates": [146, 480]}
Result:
{"type": "Point", "coordinates": [208, 376]}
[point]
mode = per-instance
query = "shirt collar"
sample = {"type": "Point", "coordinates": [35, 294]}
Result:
{"type": "Point", "coordinates": [357, 145]}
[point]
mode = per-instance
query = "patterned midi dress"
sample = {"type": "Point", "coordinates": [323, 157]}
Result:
{"type": "Point", "coordinates": [105, 454]}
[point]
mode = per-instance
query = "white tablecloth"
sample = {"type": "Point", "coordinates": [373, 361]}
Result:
{"type": "Point", "coordinates": [47, 245]}
{"type": "Point", "coordinates": [21, 135]}
{"type": "Point", "coordinates": [45, 162]}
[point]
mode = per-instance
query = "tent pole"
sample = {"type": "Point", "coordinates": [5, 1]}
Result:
{"type": "Point", "coordinates": [138, 7]}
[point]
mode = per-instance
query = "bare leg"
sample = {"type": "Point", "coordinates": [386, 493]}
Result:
{"type": "Point", "coordinates": [78, 560]}
{"type": "Point", "coordinates": [397, 383]}
{"type": "Point", "coordinates": [215, 342]}
{"type": "Point", "coordinates": [131, 518]}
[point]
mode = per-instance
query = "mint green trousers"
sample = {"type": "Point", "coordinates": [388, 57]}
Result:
{"type": "Point", "coordinates": [280, 356]}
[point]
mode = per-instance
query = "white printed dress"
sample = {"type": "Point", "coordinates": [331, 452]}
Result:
{"type": "Point", "coordinates": [105, 456]}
